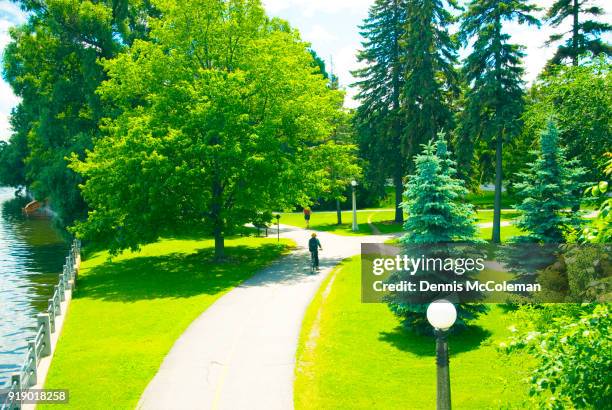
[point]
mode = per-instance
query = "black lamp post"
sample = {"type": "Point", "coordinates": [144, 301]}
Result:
{"type": "Point", "coordinates": [277, 216]}
{"type": "Point", "coordinates": [442, 314]}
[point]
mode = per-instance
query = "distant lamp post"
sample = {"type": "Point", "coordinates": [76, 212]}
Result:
{"type": "Point", "coordinates": [277, 216]}
{"type": "Point", "coordinates": [354, 185]}
{"type": "Point", "coordinates": [442, 314]}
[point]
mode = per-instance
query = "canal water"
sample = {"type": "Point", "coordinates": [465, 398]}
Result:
{"type": "Point", "coordinates": [32, 253]}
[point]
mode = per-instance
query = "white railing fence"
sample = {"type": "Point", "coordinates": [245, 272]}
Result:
{"type": "Point", "coordinates": [40, 345]}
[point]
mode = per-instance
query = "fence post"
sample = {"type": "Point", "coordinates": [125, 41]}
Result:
{"type": "Point", "coordinates": [62, 288]}
{"type": "Point", "coordinates": [16, 379]}
{"type": "Point", "coordinates": [33, 377]}
{"type": "Point", "coordinates": [66, 274]}
{"type": "Point", "coordinates": [52, 315]}
{"type": "Point", "coordinates": [57, 300]}
{"type": "Point", "coordinates": [44, 321]}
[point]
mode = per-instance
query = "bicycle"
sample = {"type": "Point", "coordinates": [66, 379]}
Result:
{"type": "Point", "coordinates": [313, 264]}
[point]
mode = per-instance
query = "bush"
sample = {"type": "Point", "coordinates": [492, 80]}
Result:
{"type": "Point", "coordinates": [575, 360]}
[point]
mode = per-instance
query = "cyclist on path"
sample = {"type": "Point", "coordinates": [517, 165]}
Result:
{"type": "Point", "coordinates": [313, 246]}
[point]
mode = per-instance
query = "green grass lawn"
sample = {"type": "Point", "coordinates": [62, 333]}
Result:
{"type": "Point", "coordinates": [126, 315]}
{"type": "Point", "coordinates": [507, 232]}
{"type": "Point", "coordinates": [383, 220]}
{"type": "Point", "coordinates": [326, 221]}
{"type": "Point", "coordinates": [486, 199]}
{"type": "Point", "coordinates": [356, 356]}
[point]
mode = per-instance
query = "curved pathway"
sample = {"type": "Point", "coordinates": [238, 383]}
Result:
{"type": "Point", "coordinates": [240, 353]}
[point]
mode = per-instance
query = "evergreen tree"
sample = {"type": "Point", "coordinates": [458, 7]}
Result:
{"type": "Point", "coordinates": [439, 215]}
{"type": "Point", "coordinates": [380, 83]}
{"type": "Point", "coordinates": [436, 205]}
{"type": "Point", "coordinates": [431, 78]}
{"type": "Point", "coordinates": [584, 35]}
{"type": "Point", "coordinates": [548, 191]}
{"type": "Point", "coordinates": [494, 72]}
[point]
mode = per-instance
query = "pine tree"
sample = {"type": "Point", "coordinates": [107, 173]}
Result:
{"type": "Point", "coordinates": [438, 215]}
{"type": "Point", "coordinates": [549, 191]}
{"type": "Point", "coordinates": [438, 212]}
{"type": "Point", "coordinates": [494, 72]}
{"type": "Point", "coordinates": [379, 118]}
{"type": "Point", "coordinates": [584, 36]}
{"type": "Point", "coordinates": [431, 78]}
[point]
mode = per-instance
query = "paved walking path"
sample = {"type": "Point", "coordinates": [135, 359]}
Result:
{"type": "Point", "coordinates": [240, 353]}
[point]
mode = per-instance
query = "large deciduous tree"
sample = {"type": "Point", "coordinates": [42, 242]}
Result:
{"type": "Point", "coordinates": [580, 99]}
{"type": "Point", "coordinates": [494, 72]}
{"type": "Point", "coordinates": [218, 114]}
{"type": "Point", "coordinates": [379, 118]}
{"type": "Point", "coordinates": [584, 35]}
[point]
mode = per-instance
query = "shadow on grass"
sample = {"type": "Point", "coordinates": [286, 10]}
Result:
{"type": "Point", "coordinates": [175, 275]}
{"type": "Point", "coordinates": [420, 345]}
{"type": "Point", "coordinates": [389, 227]}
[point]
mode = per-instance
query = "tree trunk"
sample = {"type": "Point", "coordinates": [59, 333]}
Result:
{"type": "Point", "coordinates": [219, 245]}
{"type": "Point", "coordinates": [575, 10]}
{"type": "Point", "coordinates": [496, 237]}
{"type": "Point", "coordinates": [397, 127]}
{"type": "Point", "coordinates": [217, 219]}
{"type": "Point", "coordinates": [338, 212]}
{"type": "Point", "coordinates": [399, 193]}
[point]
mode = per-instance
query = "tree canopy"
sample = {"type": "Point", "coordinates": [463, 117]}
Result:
{"type": "Point", "coordinates": [550, 191]}
{"type": "Point", "coordinates": [585, 34]}
{"type": "Point", "coordinates": [52, 65]}
{"type": "Point", "coordinates": [218, 116]}
{"type": "Point", "coordinates": [380, 119]}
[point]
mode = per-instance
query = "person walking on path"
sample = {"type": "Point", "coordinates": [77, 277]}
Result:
{"type": "Point", "coordinates": [307, 213]}
{"type": "Point", "coordinates": [313, 246]}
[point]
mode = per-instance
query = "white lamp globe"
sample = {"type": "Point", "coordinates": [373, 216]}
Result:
{"type": "Point", "coordinates": [441, 314]}
{"type": "Point", "coordinates": [354, 183]}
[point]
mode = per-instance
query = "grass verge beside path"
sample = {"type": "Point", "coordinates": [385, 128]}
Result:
{"type": "Point", "coordinates": [381, 218]}
{"type": "Point", "coordinates": [356, 356]}
{"type": "Point", "coordinates": [126, 315]}
{"type": "Point", "coordinates": [326, 221]}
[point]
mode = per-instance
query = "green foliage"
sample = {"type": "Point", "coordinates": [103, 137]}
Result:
{"type": "Point", "coordinates": [584, 36]}
{"type": "Point", "coordinates": [435, 200]}
{"type": "Point", "coordinates": [438, 214]}
{"type": "Point", "coordinates": [580, 98]}
{"type": "Point", "coordinates": [575, 359]}
{"type": "Point", "coordinates": [52, 65]}
{"type": "Point", "coordinates": [431, 78]}
{"type": "Point", "coordinates": [337, 166]}
{"type": "Point", "coordinates": [601, 231]}
{"type": "Point", "coordinates": [215, 126]}
{"type": "Point", "coordinates": [12, 170]}
{"type": "Point", "coordinates": [494, 100]}
{"type": "Point", "coordinates": [549, 192]}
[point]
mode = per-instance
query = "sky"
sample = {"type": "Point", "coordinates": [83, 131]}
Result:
{"type": "Point", "coordinates": [331, 26]}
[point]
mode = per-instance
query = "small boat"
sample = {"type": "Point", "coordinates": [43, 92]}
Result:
{"type": "Point", "coordinates": [32, 207]}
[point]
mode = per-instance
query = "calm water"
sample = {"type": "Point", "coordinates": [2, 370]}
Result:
{"type": "Point", "coordinates": [31, 257]}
